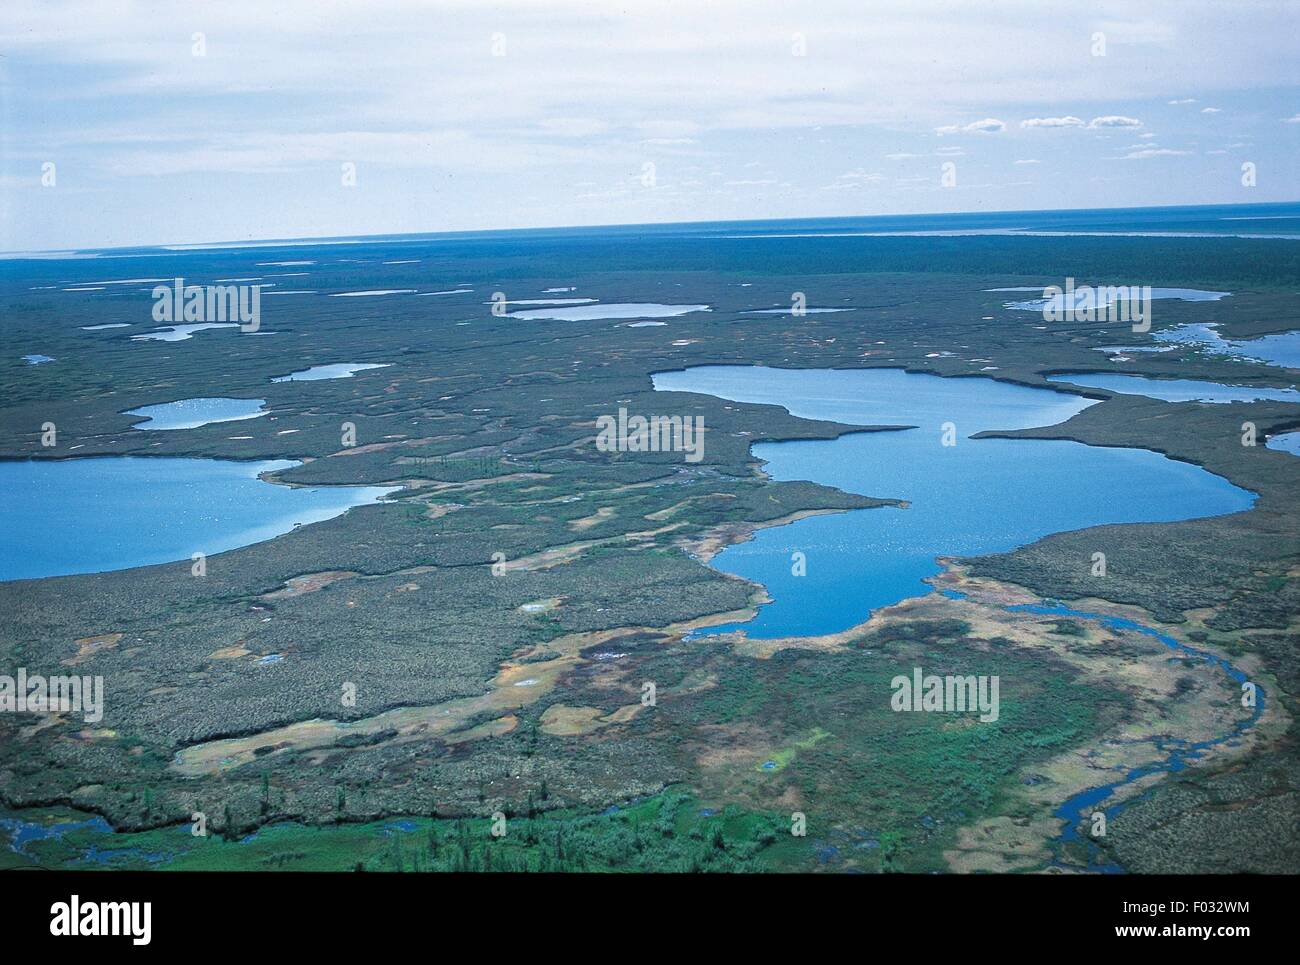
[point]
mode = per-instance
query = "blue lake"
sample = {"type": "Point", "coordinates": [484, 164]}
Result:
{"type": "Point", "coordinates": [978, 496]}
{"type": "Point", "coordinates": [582, 313]}
{"type": "Point", "coordinates": [1285, 442]}
{"type": "Point", "coordinates": [1281, 348]}
{"type": "Point", "coordinates": [1130, 349]}
{"type": "Point", "coordinates": [179, 333]}
{"type": "Point", "coordinates": [1088, 297]}
{"type": "Point", "coordinates": [192, 413]}
{"type": "Point", "coordinates": [337, 370]}
{"type": "Point", "coordinates": [1175, 390]}
{"type": "Point", "coordinates": [110, 513]}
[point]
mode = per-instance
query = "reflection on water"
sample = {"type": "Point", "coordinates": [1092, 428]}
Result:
{"type": "Point", "coordinates": [975, 497]}
{"type": "Point", "coordinates": [1175, 390]}
{"type": "Point", "coordinates": [192, 413]}
{"type": "Point", "coordinates": [115, 512]}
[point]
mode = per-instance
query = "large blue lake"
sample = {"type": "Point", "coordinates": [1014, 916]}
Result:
{"type": "Point", "coordinates": [111, 513]}
{"type": "Point", "coordinates": [975, 497]}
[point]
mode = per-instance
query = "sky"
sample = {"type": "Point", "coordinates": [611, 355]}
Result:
{"type": "Point", "coordinates": [133, 123]}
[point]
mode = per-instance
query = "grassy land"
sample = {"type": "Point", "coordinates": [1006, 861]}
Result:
{"type": "Point", "coordinates": [489, 421]}
{"type": "Point", "coordinates": [667, 832]}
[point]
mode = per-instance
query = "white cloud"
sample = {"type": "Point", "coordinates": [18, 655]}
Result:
{"type": "Point", "coordinates": [988, 125]}
{"type": "Point", "coordinates": [1184, 100]}
{"type": "Point", "coordinates": [1029, 160]}
{"type": "Point", "coordinates": [1211, 110]}
{"type": "Point", "coordinates": [1293, 119]}
{"type": "Point", "coordinates": [1068, 121]}
{"type": "Point", "coordinates": [445, 134]}
{"type": "Point", "coordinates": [1149, 152]}
{"type": "Point", "coordinates": [1114, 120]}
{"type": "Point", "coordinates": [861, 175]}
{"type": "Point", "coordinates": [269, 153]}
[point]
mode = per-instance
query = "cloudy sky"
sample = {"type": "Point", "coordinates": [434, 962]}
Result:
{"type": "Point", "coordinates": [188, 122]}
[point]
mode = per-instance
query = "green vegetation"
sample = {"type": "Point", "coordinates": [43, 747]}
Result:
{"type": "Point", "coordinates": [668, 832]}
{"type": "Point", "coordinates": [489, 421]}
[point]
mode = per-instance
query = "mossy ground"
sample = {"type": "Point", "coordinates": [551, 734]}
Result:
{"type": "Point", "coordinates": [489, 422]}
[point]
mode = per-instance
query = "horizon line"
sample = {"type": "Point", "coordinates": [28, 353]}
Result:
{"type": "Point", "coordinates": [179, 247]}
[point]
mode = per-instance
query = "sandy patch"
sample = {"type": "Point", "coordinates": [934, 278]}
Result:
{"type": "Point", "coordinates": [545, 605]}
{"type": "Point", "coordinates": [713, 541]}
{"type": "Point", "coordinates": [87, 647]}
{"type": "Point", "coordinates": [568, 552]}
{"type": "Point", "coordinates": [561, 720]}
{"type": "Point", "coordinates": [229, 653]}
{"type": "Point", "coordinates": [307, 583]}
{"type": "Point", "coordinates": [1003, 844]}
{"type": "Point", "coordinates": [493, 728]}
{"type": "Point", "coordinates": [586, 522]}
